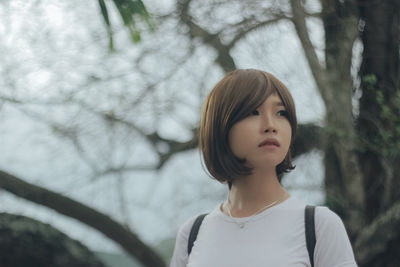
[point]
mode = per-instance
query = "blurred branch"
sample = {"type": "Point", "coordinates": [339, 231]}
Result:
{"type": "Point", "coordinates": [19, 101]}
{"type": "Point", "coordinates": [248, 25]}
{"type": "Point", "coordinates": [224, 58]}
{"type": "Point", "coordinates": [299, 21]}
{"type": "Point", "coordinates": [71, 208]}
{"type": "Point", "coordinates": [122, 201]}
{"type": "Point", "coordinates": [309, 136]}
{"type": "Point", "coordinates": [374, 239]}
{"type": "Point", "coordinates": [118, 170]}
{"type": "Point", "coordinates": [13, 100]}
{"type": "Point", "coordinates": [174, 146]}
{"type": "Point", "coordinates": [253, 27]}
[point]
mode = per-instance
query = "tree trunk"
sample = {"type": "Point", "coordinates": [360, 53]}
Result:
{"type": "Point", "coordinates": [343, 177]}
{"type": "Point", "coordinates": [379, 121]}
{"type": "Point", "coordinates": [380, 73]}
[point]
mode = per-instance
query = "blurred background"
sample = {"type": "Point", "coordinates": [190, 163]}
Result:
{"type": "Point", "coordinates": [100, 103]}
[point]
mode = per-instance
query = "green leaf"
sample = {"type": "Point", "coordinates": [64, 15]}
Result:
{"type": "Point", "coordinates": [370, 79]}
{"type": "Point", "coordinates": [130, 12]}
{"type": "Point", "coordinates": [104, 12]}
{"type": "Point", "coordinates": [386, 112]}
{"type": "Point", "coordinates": [379, 97]}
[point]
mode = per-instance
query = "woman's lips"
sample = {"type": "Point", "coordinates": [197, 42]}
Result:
{"type": "Point", "coordinates": [270, 142]}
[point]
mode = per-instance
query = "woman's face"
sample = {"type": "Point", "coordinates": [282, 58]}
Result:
{"type": "Point", "coordinates": [263, 137]}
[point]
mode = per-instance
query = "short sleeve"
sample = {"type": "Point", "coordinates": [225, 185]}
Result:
{"type": "Point", "coordinates": [180, 255]}
{"type": "Point", "coordinates": [333, 247]}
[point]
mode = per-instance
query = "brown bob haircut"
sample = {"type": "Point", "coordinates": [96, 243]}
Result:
{"type": "Point", "coordinates": [233, 98]}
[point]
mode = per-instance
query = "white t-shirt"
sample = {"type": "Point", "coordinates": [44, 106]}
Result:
{"type": "Point", "coordinates": [275, 238]}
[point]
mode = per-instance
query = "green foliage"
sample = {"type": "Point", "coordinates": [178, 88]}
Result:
{"type": "Point", "coordinates": [131, 11]}
{"type": "Point", "coordinates": [370, 79]}
{"type": "Point", "coordinates": [389, 124]}
{"type": "Point", "coordinates": [335, 131]}
{"type": "Point", "coordinates": [385, 138]}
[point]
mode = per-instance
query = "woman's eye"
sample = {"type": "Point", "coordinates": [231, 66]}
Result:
{"type": "Point", "coordinates": [283, 113]}
{"type": "Point", "coordinates": [255, 112]}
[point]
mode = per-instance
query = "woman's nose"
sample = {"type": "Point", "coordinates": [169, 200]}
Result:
{"type": "Point", "coordinates": [270, 129]}
{"type": "Point", "coordinates": [269, 124]}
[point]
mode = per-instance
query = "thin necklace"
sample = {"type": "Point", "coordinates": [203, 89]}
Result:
{"type": "Point", "coordinates": [242, 224]}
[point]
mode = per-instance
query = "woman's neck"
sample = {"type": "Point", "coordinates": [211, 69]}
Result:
{"type": "Point", "coordinates": [251, 193]}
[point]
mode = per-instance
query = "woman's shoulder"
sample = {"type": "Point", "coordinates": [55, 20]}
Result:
{"type": "Point", "coordinates": [329, 226]}
{"type": "Point", "coordinates": [184, 229]}
{"type": "Point", "coordinates": [325, 217]}
{"type": "Point", "coordinates": [333, 246]}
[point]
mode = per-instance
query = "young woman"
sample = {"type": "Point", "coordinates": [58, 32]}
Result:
{"type": "Point", "coordinates": [247, 128]}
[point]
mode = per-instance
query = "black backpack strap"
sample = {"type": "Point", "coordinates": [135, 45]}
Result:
{"type": "Point", "coordinates": [194, 231]}
{"type": "Point", "coordinates": [310, 231]}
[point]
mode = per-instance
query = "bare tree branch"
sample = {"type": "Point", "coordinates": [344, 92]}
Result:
{"type": "Point", "coordinates": [71, 208]}
{"type": "Point", "coordinates": [121, 169]}
{"type": "Point", "coordinates": [299, 21]}
{"type": "Point", "coordinates": [253, 27]}
{"type": "Point", "coordinates": [308, 137]}
{"type": "Point", "coordinates": [374, 238]}
{"type": "Point", "coordinates": [224, 58]}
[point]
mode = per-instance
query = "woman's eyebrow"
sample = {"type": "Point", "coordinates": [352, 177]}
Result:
{"type": "Point", "coordinates": [279, 104]}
